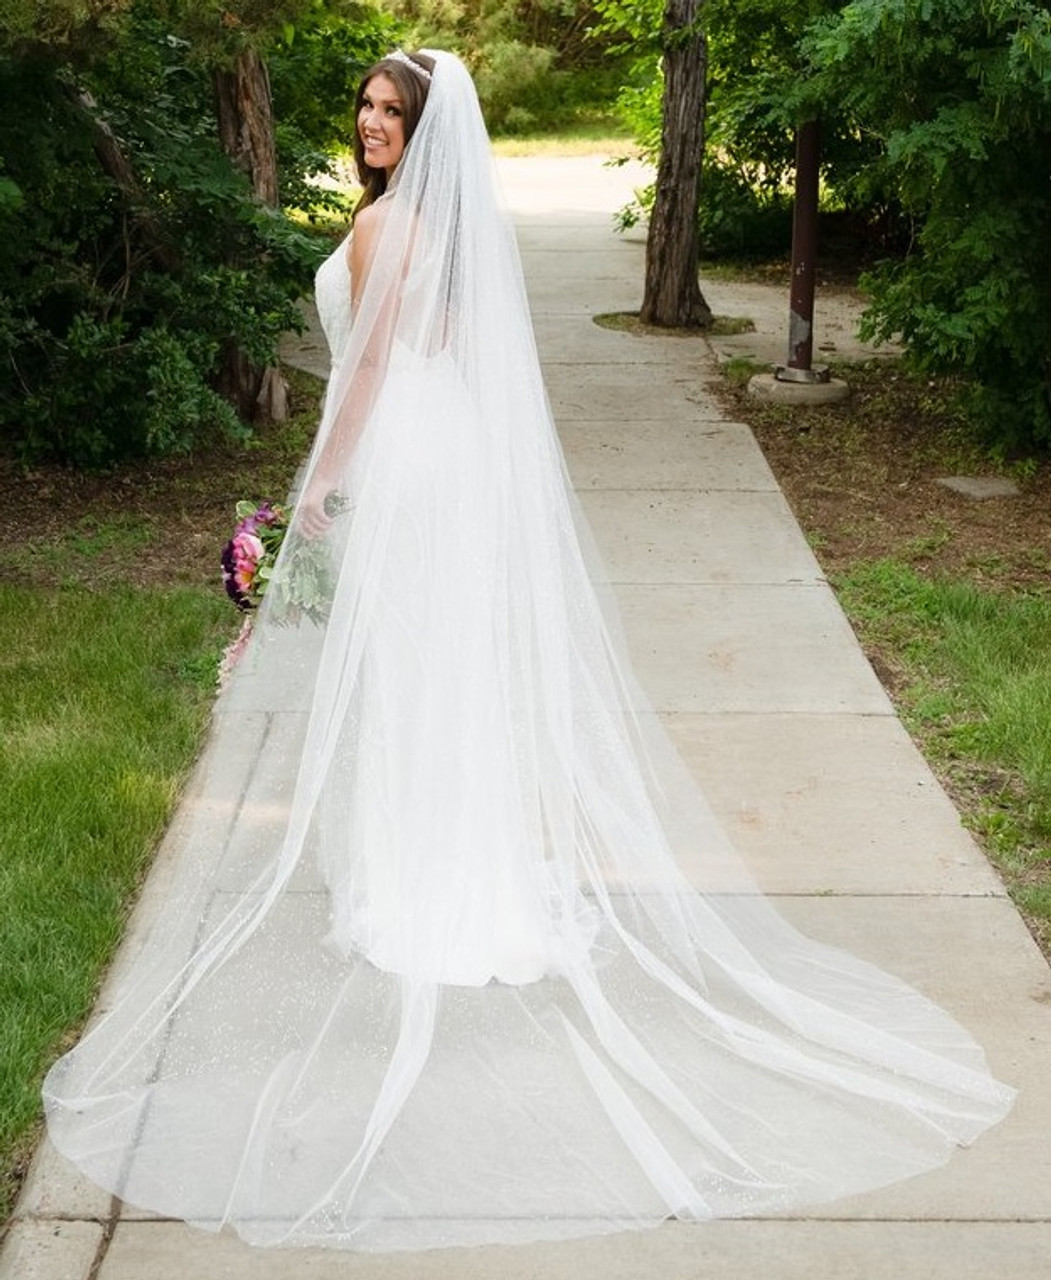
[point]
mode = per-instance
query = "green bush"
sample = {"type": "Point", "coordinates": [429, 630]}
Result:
{"type": "Point", "coordinates": [127, 286]}
{"type": "Point", "coordinates": [743, 211]}
{"type": "Point", "coordinates": [538, 64]}
{"type": "Point", "coordinates": [963, 121]}
{"type": "Point", "coordinates": [740, 215]}
{"type": "Point", "coordinates": [511, 79]}
{"type": "Point", "coordinates": [935, 119]}
{"type": "Point", "coordinates": [119, 300]}
{"type": "Point", "coordinates": [315, 65]}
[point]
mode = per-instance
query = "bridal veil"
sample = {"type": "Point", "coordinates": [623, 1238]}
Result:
{"type": "Point", "coordinates": [433, 973]}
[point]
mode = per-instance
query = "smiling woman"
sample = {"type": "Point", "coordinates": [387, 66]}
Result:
{"type": "Point", "coordinates": [389, 103]}
{"type": "Point", "coordinates": [381, 124]}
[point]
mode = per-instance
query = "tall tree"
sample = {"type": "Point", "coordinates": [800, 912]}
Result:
{"type": "Point", "coordinates": [672, 39]}
{"type": "Point", "coordinates": [672, 295]}
{"type": "Point", "coordinates": [246, 122]}
{"type": "Point", "coordinates": [232, 36]}
{"type": "Point", "coordinates": [245, 119]}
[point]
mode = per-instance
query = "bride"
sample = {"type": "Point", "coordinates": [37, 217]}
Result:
{"type": "Point", "coordinates": [432, 975]}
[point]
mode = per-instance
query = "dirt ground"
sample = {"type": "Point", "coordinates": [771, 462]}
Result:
{"type": "Point", "coordinates": [863, 477]}
{"type": "Point", "coordinates": [152, 523]}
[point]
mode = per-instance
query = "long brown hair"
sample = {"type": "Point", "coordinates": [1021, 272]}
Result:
{"type": "Point", "coordinates": [412, 90]}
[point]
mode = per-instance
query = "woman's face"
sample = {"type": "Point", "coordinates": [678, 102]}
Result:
{"type": "Point", "coordinates": [381, 124]}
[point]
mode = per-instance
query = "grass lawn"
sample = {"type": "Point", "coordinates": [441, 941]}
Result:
{"type": "Point", "coordinates": [115, 623]}
{"type": "Point", "coordinates": [601, 137]}
{"type": "Point", "coordinates": [974, 687]}
{"type": "Point", "coordinates": [103, 703]}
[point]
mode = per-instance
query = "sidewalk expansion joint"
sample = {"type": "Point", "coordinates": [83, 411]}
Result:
{"type": "Point", "coordinates": [109, 1227]}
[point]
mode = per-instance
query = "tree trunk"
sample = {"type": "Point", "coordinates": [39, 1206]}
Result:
{"type": "Point", "coordinates": [672, 296]}
{"type": "Point", "coordinates": [246, 130]}
{"type": "Point", "coordinates": [246, 121]}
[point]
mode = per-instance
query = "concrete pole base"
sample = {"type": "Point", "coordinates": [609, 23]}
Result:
{"type": "Point", "coordinates": [765, 386]}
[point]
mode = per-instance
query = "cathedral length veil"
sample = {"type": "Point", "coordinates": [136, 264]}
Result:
{"type": "Point", "coordinates": [433, 974]}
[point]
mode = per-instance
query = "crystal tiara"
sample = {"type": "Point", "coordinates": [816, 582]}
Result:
{"type": "Point", "coordinates": [399, 55]}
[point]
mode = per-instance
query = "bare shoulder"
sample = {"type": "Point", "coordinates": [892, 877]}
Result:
{"type": "Point", "coordinates": [372, 217]}
{"type": "Point", "coordinates": [361, 250]}
{"type": "Point", "coordinates": [367, 226]}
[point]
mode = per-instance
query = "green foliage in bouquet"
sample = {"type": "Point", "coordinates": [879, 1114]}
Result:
{"type": "Point", "coordinates": [293, 573]}
{"type": "Point", "coordinates": [302, 584]}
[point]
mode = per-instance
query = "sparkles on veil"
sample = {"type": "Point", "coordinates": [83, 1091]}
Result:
{"type": "Point", "coordinates": [432, 974]}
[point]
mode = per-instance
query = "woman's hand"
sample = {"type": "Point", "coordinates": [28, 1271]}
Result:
{"type": "Point", "coordinates": [318, 506]}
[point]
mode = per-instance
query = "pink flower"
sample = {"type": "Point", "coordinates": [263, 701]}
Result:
{"type": "Point", "coordinates": [242, 556]}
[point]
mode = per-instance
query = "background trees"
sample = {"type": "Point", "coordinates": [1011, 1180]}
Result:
{"type": "Point", "coordinates": [957, 97]}
{"type": "Point", "coordinates": [667, 103]}
{"type": "Point", "coordinates": [936, 128]}
{"type": "Point", "coordinates": [146, 268]}
{"type": "Point", "coordinates": [145, 272]}
{"type": "Point", "coordinates": [536, 63]}
{"type": "Point", "coordinates": [146, 150]}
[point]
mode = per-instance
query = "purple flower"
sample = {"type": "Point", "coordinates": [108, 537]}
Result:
{"type": "Point", "coordinates": [255, 543]}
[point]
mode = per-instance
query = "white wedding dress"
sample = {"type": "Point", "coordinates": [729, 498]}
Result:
{"type": "Point", "coordinates": [433, 975]}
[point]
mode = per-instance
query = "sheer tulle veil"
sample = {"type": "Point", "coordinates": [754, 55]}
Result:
{"type": "Point", "coordinates": [463, 956]}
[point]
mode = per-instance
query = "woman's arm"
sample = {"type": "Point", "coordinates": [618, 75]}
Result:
{"type": "Point", "coordinates": [360, 393]}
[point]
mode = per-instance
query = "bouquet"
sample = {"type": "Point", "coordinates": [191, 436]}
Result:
{"type": "Point", "coordinates": [249, 557]}
{"type": "Point", "coordinates": [303, 586]}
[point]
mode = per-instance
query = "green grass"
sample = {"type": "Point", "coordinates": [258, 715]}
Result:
{"type": "Point", "coordinates": [974, 686]}
{"type": "Point", "coordinates": [115, 620]}
{"type": "Point", "coordinates": [92, 538]}
{"type": "Point", "coordinates": [104, 698]}
{"type": "Point", "coordinates": [739, 370]}
{"type": "Point", "coordinates": [598, 138]}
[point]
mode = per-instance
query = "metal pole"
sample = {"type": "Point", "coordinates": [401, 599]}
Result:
{"type": "Point", "coordinates": [804, 261]}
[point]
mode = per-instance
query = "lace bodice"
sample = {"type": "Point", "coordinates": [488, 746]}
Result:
{"type": "Point", "coordinates": [332, 294]}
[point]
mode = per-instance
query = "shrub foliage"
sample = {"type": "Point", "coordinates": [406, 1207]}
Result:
{"type": "Point", "coordinates": [936, 146]}
{"type": "Point", "coordinates": [537, 64]}
{"type": "Point", "coordinates": [133, 253]}
{"type": "Point", "coordinates": [959, 97]}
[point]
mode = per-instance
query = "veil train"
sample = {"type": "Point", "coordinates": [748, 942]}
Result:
{"type": "Point", "coordinates": [432, 974]}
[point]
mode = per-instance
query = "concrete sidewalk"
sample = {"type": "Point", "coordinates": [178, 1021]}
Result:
{"type": "Point", "coordinates": [744, 651]}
